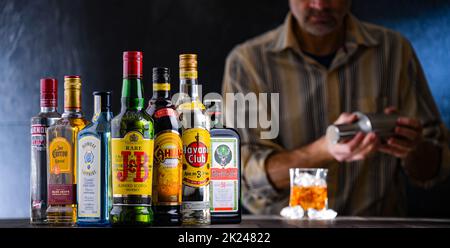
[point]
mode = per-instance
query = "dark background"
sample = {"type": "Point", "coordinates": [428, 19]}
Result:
{"type": "Point", "coordinates": [42, 38]}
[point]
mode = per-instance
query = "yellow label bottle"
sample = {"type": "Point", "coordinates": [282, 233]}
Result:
{"type": "Point", "coordinates": [62, 156]}
{"type": "Point", "coordinates": [196, 159]}
{"type": "Point", "coordinates": [196, 145]}
{"type": "Point", "coordinates": [168, 166]}
{"type": "Point", "coordinates": [132, 168]}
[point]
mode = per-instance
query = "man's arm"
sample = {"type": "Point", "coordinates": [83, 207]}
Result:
{"type": "Point", "coordinates": [422, 139]}
{"type": "Point", "coordinates": [320, 153]}
{"type": "Point", "coordinates": [421, 158]}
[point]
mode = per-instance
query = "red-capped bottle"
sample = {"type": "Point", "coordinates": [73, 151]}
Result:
{"type": "Point", "coordinates": [39, 124]}
{"type": "Point", "coordinates": [132, 138]}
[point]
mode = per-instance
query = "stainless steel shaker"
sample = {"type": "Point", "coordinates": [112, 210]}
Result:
{"type": "Point", "coordinates": [382, 124]}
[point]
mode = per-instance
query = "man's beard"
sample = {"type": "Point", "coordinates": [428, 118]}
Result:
{"type": "Point", "coordinates": [320, 22]}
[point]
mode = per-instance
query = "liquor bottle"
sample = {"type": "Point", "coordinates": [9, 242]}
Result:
{"type": "Point", "coordinates": [94, 161]}
{"type": "Point", "coordinates": [225, 188]}
{"type": "Point", "coordinates": [168, 152]}
{"type": "Point", "coordinates": [39, 124]}
{"type": "Point", "coordinates": [132, 150]}
{"type": "Point", "coordinates": [62, 157]}
{"type": "Point", "coordinates": [196, 146]}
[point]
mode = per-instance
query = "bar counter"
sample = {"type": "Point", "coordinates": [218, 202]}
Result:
{"type": "Point", "coordinates": [273, 221]}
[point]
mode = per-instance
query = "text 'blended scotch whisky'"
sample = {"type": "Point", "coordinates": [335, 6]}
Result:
{"type": "Point", "coordinates": [39, 124]}
{"type": "Point", "coordinates": [225, 187]}
{"type": "Point", "coordinates": [132, 137]}
{"type": "Point", "coordinates": [167, 177]}
{"type": "Point", "coordinates": [62, 156]}
{"type": "Point", "coordinates": [94, 192]}
{"type": "Point", "coordinates": [196, 146]}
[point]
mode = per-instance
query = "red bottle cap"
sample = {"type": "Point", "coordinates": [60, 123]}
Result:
{"type": "Point", "coordinates": [132, 64]}
{"type": "Point", "coordinates": [49, 92]}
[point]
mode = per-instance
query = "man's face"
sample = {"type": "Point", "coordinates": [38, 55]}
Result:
{"type": "Point", "coordinates": [319, 17]}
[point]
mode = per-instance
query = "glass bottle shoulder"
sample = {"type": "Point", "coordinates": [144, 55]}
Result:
{"type": "Point", "coordinates": [132, 116]}
{"type": "Point", "coordinates": [41, 115]}
{"type": "Point", "coordinates": [132, 120]}
{"type": "Point", "coordinates": [72, 123]}
{"type": "Point", "coordinates": [101, 125]}
{"type": "Point", "coordinates": [46, 118]}
{"type": "Point", "coordinates": [193, 117]}
{"type": "Point", "coordinates": [155, 104]}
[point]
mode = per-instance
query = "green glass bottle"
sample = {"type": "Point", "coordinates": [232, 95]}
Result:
{"type": "Point", "coordinates": [132, 140]}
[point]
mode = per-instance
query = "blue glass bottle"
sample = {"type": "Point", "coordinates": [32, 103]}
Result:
{"type": "Point", "coordinates": [94, 194]}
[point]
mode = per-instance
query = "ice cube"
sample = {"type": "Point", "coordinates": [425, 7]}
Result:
{"type": "Point", "coordinates": [295, 212]}
{"type": "Point", "coordinates": [324, 214]}
{"type": "Point", "coordinates": [305, 180]}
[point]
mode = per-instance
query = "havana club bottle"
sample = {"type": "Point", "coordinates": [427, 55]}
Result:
{"type": "Point", "coordinates": [225, 187]}
{"type": "Point", "coordinates": [62, 157]}
{"type": "Point", "coordinates": [39, 124]}
{"type": "Point", "coordinates": [94, 192]}
{"type": "Point", "coordinates": [196, 146]}
{"type": "Point", "coordinates": [168, 152]}
{"type": "Point", "coordinates": [132, 150]}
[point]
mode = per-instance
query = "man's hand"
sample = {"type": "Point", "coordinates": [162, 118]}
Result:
{"type": "Point", "coordinates": [408, 135]}
{"type": "Point", "coordinates": [358, 148]}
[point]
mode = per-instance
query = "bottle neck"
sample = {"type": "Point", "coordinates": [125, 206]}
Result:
{"type": "Point", "coordinates": [48, 109]}
{"type": "Point", "coordinates": [160, 94]}
{"type": "Point", "coordinates": [105, 114]}
{"type": "Point", "coordinates": [161, 90]}
{"type": "Point", "coordinates": [72, 100]}
{"type": "Point", "coordinates": [214, 110]}
{"type": "Point", "coordinates": [101, 107]}
{"type": "Point", "coordinates": [190, 87]}
{"type": "Point", "coordinates": [72, 113]}
{"type": "Point", "coordinates": [216, 120]}
{"type": "Point", "coordinates": [132, 94]}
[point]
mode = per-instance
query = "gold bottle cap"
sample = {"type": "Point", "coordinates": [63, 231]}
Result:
{"type": "Point", "coordinates": [72, 92]}
{"type": "Point", "coordinates": [188, 66]}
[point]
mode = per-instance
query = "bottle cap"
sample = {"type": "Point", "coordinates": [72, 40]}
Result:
{"type": "Point", "coordinates": [161, 75]}
{"type": "Point", "coordinates": [49, 92]}
{"type": "Point", "coordinates": [102, 100]}
{"type": "Point", "coordinates": [188, 66]}
{"type": "Point", "coordinates": [188, 61]}
{"type": "Point", "coordinates": [132, 64]}
{"type": "Point", "coordinates": [72, 92]}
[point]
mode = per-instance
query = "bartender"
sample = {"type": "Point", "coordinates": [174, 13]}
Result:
{"type": "Point", "coordinates": [326, 64]}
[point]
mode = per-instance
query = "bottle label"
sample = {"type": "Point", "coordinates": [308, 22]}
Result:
{"type": "Point", "coordinates": [161, 87]}
{"type": "Point", "coordinates": [165, 112]}
{"type": "Point", "coordinates": [38, 137]}
{"type": "Point", "coordinates": [168, 165]}
{"type": "Point", "coordinates": [194, 205]}
{"type": "Point", "coordinates": [132, 166]}
{"type": "Point", "coordinates": [89, 171]}
{"type": "Point", "coordinates": [224, 186]}
{"type": "Point", "coordinates": [188, 74]}
{"type": "Point", "coordinates": [189, 106]}
{"type": "Point", "coordinates": [60, 155]}
{"type": "Point", "coordinates": [196, 158]}
{"type": "Point", "coordinates": [61, 194]}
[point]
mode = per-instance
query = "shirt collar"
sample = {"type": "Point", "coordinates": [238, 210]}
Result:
{"type": "Point", "coordinates": [356, 34]}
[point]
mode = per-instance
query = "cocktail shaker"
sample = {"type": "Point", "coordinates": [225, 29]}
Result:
{"type": "Point", "coordinates": [383, 125]}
